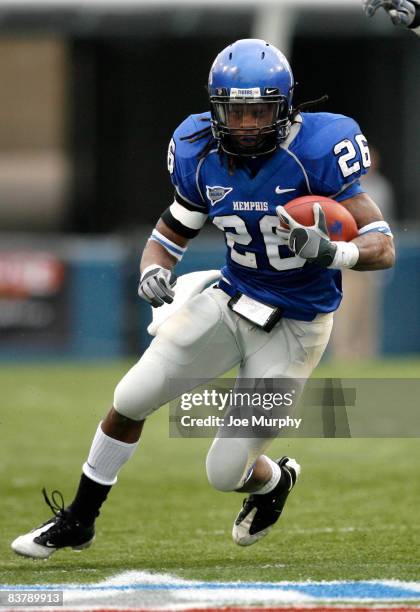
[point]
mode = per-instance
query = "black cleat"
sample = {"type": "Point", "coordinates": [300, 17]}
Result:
{"type": "Point", "coordinates": [62, 530]}
{"type": "Point", "coordinates": [260, 512]}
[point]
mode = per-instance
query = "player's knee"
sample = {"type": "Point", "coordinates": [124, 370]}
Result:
{"type": "Point", "coordinates": [140, 391]}
{"type": "Point", "coordinates": [227, 464]}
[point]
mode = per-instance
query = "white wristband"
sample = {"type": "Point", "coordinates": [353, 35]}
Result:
{"type": "Point", "coordinates": [346, 256]}
{"type": "Point", "coordinates": [172, 248]}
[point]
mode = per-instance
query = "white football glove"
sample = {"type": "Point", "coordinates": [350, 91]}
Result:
{"type": "Point", "coordinates": [156, 284]}
{"type": "Point", "coordinates": [402, 12]}
{"type": "Point", "coordinates": [312, 243]}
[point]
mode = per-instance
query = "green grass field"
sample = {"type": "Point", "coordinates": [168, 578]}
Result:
{"type": "Point", "coordinates": [354, 514]}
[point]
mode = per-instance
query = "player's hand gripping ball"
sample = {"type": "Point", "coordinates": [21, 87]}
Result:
{"type": "Point", "coordinates": [340, 222]}
{"type": "Point", "coordinates": [311, 224]}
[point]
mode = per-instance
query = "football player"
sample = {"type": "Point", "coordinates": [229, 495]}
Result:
{"type": "Point", "coordinates": [237, 165]}
{"type": "Point", "coordinates": [404, 13]}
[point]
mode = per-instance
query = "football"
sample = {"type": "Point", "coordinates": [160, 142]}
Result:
{"type": "Point", "coordinates": [340, 222]}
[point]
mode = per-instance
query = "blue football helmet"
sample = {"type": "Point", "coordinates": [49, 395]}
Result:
{"type": "Point", "coordinates": [251, 89]}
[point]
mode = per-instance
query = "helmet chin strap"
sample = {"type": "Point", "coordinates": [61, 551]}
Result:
{"type": "Point", "coordinates": [239, 152]}
{"type": "Point", "coordinates": [284, 131]}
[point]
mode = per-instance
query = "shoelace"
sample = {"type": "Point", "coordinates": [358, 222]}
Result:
{"type": "Point", "coordinates": [56, 504]}
{"type": "Point", "coordinates": [57, 507]}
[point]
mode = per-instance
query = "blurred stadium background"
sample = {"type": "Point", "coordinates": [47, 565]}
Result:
{"type": "Point", "coordinates": [90, 95]}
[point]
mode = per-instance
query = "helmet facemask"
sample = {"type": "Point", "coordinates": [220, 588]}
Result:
{"type": "Point", "coordinates": [249, 127]}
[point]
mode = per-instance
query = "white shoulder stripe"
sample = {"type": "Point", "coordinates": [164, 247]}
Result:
{"type": "Point", "coordinates": [297, 160]}
{"type": "Point", "coordinates": [190, 218]}
{"type": "Point", "coordinates": [197, 173]}
{"type": "Point", "coordinates": [181, 195]}
{"type": "Point", "coordinates": [294, 131]}
{"type": "Point", "coordinates": [343, 188]}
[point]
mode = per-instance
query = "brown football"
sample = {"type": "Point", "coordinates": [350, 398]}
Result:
{"type": "Point", "coordinates": [340, 222]}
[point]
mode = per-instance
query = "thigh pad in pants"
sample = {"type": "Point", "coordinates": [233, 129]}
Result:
{"type": "Point", "coordinates": [193, 344]}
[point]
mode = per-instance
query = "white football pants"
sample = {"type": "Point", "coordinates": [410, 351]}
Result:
{"type": "Point", "coordinates": [202, 341]}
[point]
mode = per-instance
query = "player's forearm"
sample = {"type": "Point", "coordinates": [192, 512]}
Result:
{"type": "Point", "coordinates": [164, 248]}
{"type": "Point", "coordinates": [154, 253]}
{"type": "Point", "coordinates": [376, 252]}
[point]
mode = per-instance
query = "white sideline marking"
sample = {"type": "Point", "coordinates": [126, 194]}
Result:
{"type": "Point", "coordinates": [180, 597]}
{"type": "Point", "coordinates": [151, 591]}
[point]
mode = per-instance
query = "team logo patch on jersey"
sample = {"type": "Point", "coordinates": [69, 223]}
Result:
{"type": "Point", "coordinates": [216, 194]}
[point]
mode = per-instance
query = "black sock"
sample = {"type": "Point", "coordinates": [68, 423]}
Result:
{"type": "Point", "coordinates": [89, 498]}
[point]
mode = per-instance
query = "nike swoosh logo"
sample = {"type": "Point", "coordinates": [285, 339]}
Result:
{"type": "Point", "coordinates": [279, 190]}
{"type": "Point", "coordinates": [270, 91]}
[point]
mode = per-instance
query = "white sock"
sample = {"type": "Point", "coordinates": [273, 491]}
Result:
{"type": "Point", "coordinates": [106, 458]}
{"type": "Point", "coordinates": [274, 480]}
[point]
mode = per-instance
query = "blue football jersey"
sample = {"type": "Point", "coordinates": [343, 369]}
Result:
{"type": "Point", "coordinates": [325, 154]}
